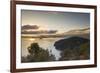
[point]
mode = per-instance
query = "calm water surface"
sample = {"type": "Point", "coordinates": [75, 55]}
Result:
{"type": "Point", "coordinates": [45, 43]}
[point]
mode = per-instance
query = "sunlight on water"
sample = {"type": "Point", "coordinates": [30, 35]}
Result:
{"type": "Point", "coordinates": [45, 43]}
{"type": "Point", "coordinates": [31, 39]}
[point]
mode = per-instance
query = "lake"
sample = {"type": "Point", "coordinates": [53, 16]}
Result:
{"type": "Point", "coordinates": [45, 43]}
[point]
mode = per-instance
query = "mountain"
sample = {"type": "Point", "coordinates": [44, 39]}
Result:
{"type": "Point", "coordinates": [84, 33]}
{"type": "Point", "coordinates": [78, 31]}
{"type": "Point", "coordinates": [70, 43]}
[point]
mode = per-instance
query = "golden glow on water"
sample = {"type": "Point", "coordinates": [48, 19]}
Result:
{"type": "Point", "coordinates": [31, 39]}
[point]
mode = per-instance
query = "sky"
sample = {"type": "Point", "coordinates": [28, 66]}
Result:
{"type": "Point", "coordinates": [60, 21]}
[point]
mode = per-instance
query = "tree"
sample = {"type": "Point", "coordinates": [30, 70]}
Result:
{"type": "Point", "coordinates": [33, 48]}
{"type": "Point", "coordinates": [38, 54]}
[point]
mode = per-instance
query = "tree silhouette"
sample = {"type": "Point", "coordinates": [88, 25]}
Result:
{"type": "Point", "coordinates": [37, 54]}
{"type": "Point", "coordinates": [33, 48]}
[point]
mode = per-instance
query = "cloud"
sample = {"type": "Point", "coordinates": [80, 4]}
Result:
{"type": "Point", "coordinates": [27, 27]}
{"type": "Point", "coordinates": [40, 32]}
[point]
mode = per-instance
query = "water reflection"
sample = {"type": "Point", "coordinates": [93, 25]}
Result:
{"type": "Point", "coordinates": [45, 43]}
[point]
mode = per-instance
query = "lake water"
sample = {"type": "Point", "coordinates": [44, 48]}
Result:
{"type": "Point", "coordinates": [45, 43]}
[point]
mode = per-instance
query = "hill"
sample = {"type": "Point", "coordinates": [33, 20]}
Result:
{"type": "Point", "coordinates": [73, 48]}
{"type": "Point", "coordinates": [72, 42]}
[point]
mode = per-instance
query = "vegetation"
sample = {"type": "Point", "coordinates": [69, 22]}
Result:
{"type": "Point", "coordinates": [37, 54]}
{"type": "Point", "coordinates": [81, 53]}
{"type": "Point", "coordinates": [85, 51]}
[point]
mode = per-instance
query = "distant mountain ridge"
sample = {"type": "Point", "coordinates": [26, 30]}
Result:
{"type": "Point", "coordinates": [78, 31]}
